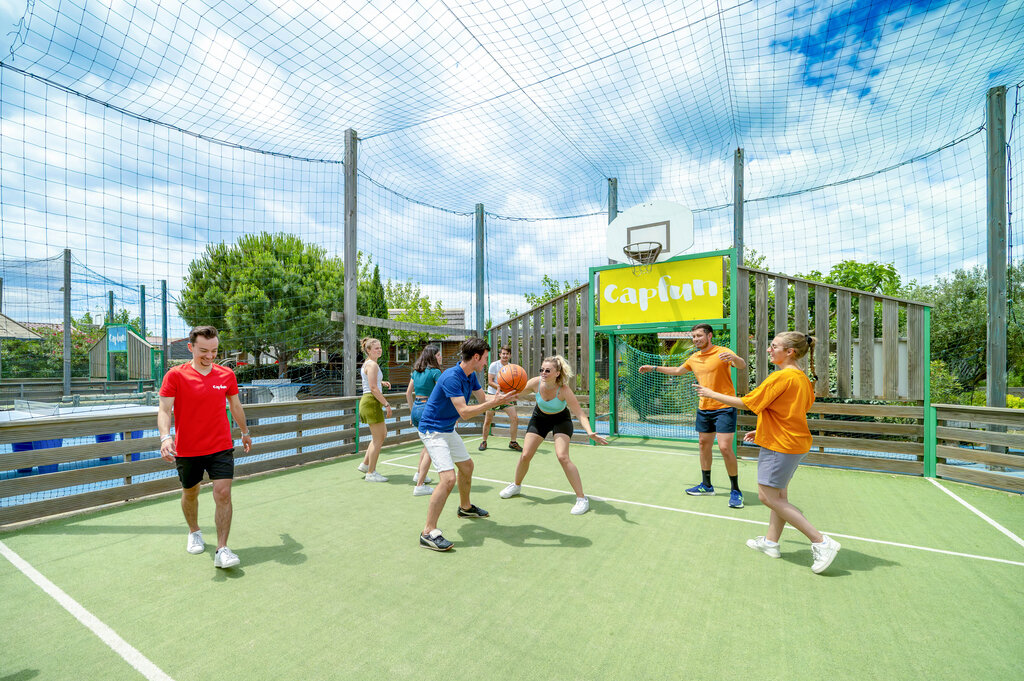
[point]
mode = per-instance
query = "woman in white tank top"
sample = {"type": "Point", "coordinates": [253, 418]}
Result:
{"type": "Point", "coordinates": [372, 408]}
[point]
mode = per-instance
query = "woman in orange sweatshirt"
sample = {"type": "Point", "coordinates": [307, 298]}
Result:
{"type": "Point", "coordinates": [781, 403]}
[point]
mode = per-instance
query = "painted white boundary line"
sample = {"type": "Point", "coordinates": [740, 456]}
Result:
{"type": "Point", "coordinates": [981, 515]}
{"type": "Point", "coordinates": [752, 522]}
{"type": "Point", "coordinates": [132, 656]}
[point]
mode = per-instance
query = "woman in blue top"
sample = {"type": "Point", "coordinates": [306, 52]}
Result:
{"type": "Point", "coordinates": [555, 401]}
{"type": "Point", "coordinates": [425, 373]}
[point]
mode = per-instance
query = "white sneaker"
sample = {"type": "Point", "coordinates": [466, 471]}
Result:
{"type": "Point", "coordinates": [195, 542]}
{"type": "Point", "coordinates": [761, 544]}
{"type": "Point", "coordinates": [374, 477]}
{"type": "Point", "coordinates": [581, 506]}
{"type": "Point", "coordinates": [426, 481]}
{"type": "Point", "coordinates": [510, 491]}
{"type": "Point", "coordinates": [422, 491]}
{"type": "Point", "coordinates": [824, 553]}
{"type": "Point", "coordinates": [362, 468]}
{"type": "Point", "coordinates": [225, 558]}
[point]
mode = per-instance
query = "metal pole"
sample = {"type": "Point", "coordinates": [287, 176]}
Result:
{"type": "Point", "coordinates": [142, 310]}
{"type": "Point", "coordinates": [163, 327]}
{"type": "Point", "coordinates": [613, 204]}
{"type": "Point", "coordinates": [349, 328]}
{"type": "Point", "coordinates": [480, 270]}
{"type": "Point", "coordinates": [110, 307]}
{"type": "Point", "coordinates": [67, 321]}
{"type": "Point", "coordinates": [995, 384]}
{"type": "Point", "coordinates": [613, 198]}
{"type": "Point", "coordinates": [737, 208]}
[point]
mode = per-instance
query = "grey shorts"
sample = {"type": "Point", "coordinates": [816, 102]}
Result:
{"type": "Point", "coordinates": [775, 469]}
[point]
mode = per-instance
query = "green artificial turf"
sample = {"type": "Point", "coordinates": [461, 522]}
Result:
{"type": "Point", "coordinates": [651, 584]}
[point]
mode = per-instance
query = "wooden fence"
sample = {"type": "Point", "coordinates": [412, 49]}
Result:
{"type": "Point", "coordinates": [867, 429]}
{"type": "Point", "coordinates": [785, 303]}
{"type": "Point", "coordinates": [980, 435]}
{"type": "Point", "coordinates": [333, 417]}
{"type": "Point", "coordinates": [558, 327]}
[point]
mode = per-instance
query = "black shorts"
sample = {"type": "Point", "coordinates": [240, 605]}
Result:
{"type": "Point", "coordinates": [543, 423]}
{"type": "Point", "coordinates": [716, 420]}
{"type": "Point", "coordinates": [220, 466]}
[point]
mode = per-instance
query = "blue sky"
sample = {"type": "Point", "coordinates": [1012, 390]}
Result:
{"type": "Point", "coordinates": [526, 107]}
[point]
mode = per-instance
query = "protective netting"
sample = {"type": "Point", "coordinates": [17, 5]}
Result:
{"type": "Point", "coordinates": [653, 404]}
{"type": "Point", "coordinates": [138, 134]}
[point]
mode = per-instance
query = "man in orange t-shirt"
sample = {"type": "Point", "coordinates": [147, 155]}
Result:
{"type": "Point", "coordinates": [192, 396]}
{"type": "Point", "coordinates": [710, 364]}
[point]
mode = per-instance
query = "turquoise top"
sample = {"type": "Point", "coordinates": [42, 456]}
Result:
{"type": "Point", "coordinates": [423, 382]}
{"type": "Point", "coordinates": [552, 406]}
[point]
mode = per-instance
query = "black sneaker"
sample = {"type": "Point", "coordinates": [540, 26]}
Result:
{"type": "Point", "coordinates": [435, 541]}
{"type": "Point", "coordinates": [515, 446]}
{"type": "Point", "coordinates": [473, 511]}
{"type": "Point", "coordinates": [482, 447]}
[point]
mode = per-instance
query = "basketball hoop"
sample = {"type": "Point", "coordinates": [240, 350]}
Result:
{"type": "Point", "coordinates": [642, 254]}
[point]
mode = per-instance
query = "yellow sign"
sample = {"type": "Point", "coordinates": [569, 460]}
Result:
{"type": "Point", "coordinates": [671, 291]}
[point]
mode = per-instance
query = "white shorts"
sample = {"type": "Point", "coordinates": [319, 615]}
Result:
{"type": "Point", "coordinates": [445, 449]}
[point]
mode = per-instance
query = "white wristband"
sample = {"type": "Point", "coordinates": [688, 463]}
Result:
{"type": "Point", "coordinates": [165, 438]}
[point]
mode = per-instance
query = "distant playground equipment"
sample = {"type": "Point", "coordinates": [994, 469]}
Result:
{"type": "Point", "coordinates": [123, 350]}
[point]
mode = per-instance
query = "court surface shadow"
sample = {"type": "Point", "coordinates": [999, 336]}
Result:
{"type": "Point", "coordinates": [518, 536]}
{"type": "Point", "coordinates": [846, 563]}
{"type": "Point", "coordinates": [288, 552]}
{"type": "Point", "coordinates": [564, 502]}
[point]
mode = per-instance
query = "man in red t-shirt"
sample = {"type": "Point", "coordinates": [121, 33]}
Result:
{"type": "Point", "coordinates": [194, 394]}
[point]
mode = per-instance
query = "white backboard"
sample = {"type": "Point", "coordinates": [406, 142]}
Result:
{"type": "Point", "coordinates": [670, 224]}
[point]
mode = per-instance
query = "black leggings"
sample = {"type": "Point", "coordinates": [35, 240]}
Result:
{"type": "Point", "coordinates": [543, 423]}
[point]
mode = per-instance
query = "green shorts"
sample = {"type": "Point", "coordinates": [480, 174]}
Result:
{"type": "Point", "coordinates": [370, 410]}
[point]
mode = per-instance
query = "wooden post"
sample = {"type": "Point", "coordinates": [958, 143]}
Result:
{"type": "Point", "coordinates": [349, 325]}
{"type": "Point", "coordinates": [613, 204]}
{"type": "Point", "coordinates": [165, 344]}
{"type": "Point", "coordinates": [479, 260]}
{"type": "Point", "coordinates": [142, 310]}
{"type": "Point", "coordinates": [67, 321]}
{"type": "Point", "coordinates": [995, 364]}
{"type": "Point", "coordinates": [737, 205]}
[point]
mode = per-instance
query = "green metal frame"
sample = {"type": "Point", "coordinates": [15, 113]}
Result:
{"type": "Point", "coordinates": [614, 330]}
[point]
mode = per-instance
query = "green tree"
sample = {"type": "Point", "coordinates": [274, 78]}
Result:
{"type": "Point", "coordinates": [550, 289]}
{"type": "Point", "coordinates": [959, 320]}
{"type": "Point", "coordinates": [415, 309]}
{"type": "Point", "coordinates": [44, 358]}
{"type": "Point", "coordinates": [266, 293]}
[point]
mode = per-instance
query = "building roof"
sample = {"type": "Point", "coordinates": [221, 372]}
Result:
{"type": "Point", "coordinates": [454, 317]}
{"type": "Point", "coordinates": [10, 329]}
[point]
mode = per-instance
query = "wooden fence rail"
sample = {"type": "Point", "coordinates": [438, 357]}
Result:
{"type": "Point", "coordinates": [334, 417]}
{"type": "Point", "coordinates": [558, 327]}
{"type": "Point", "coordinates": [980, 435]}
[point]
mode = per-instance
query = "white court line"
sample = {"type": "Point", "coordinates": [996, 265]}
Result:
{"type": "Point", "coordinates": [132, 656]}
{"type": "Point", "coordinates": [981, 515]}
{"type": "Point", "coordinates": [758, 522]}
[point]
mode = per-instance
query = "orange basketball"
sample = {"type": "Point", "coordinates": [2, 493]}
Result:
{"type": "Point", "coordinates": [511, 378]}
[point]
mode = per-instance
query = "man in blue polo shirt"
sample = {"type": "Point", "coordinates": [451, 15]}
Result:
{"type": "Point", "coordinates": [446, 405]}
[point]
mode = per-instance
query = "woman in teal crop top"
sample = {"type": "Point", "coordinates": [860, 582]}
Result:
{"type": "Point", "coordinates": [555, 400]}
{"type": "Point", "coordinates": [425, 373]}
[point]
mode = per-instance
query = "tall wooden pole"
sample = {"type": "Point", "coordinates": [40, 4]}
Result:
{"type": "Point", "coordinates": [480, 255]}
{"type": "Point", "coordinates": [737, 209]}
{"type": "Point", "coordinates": [67, 321]}
{"type": "Point", "coordinates": [351, 250]}
{"type": "Point", "coordinates": [995, 365]}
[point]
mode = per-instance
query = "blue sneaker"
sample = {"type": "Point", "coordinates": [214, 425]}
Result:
{"type": "Point", "coordinates": [701, 490]}
{"type": "Point", "coordinates": [735, 499]}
